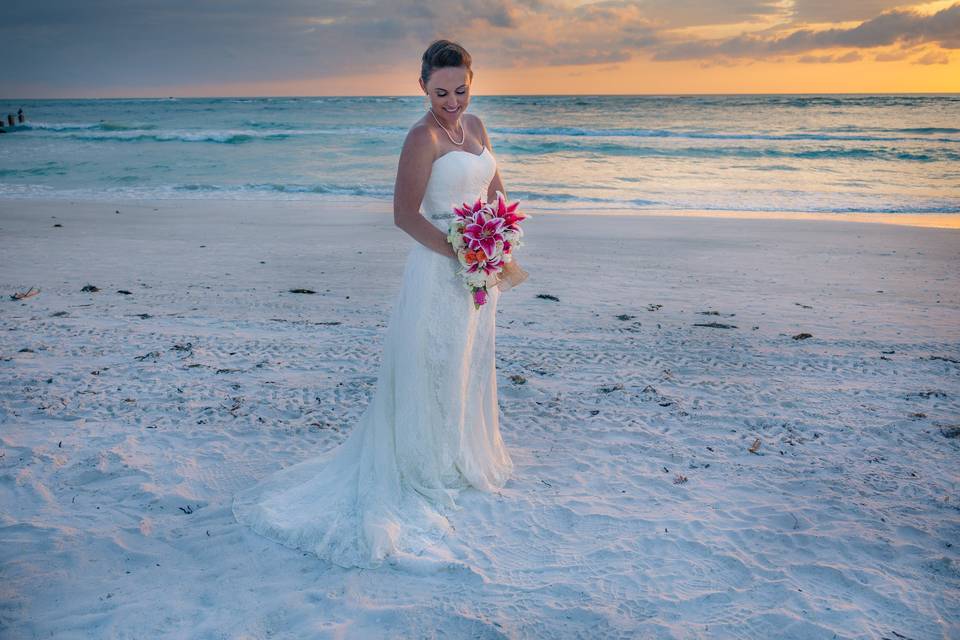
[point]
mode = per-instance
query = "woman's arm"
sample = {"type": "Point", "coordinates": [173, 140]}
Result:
{"type": "Point", "coordinates": [496, 184]}
{"type": "Point", "coordinates": [512, 273]}
{"type": "Point", "coordinates": [413, 172]}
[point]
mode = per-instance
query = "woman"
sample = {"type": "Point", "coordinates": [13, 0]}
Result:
{"type": "Point", "coordinates": [432, 427]}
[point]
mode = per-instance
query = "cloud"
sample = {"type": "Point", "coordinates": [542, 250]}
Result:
{"type": "Point", "coordinates": [942, 28]}
{"type": "Point", "coordinates": [820, 11]}
{"type": "Point", "coordinates": [692, 13]}
{"type": "Point", "coordinates": [181, 42]}
{"type": "Point", "coordinates": [933, 57]}
{"type": "Point", "coordinates": [110, 45]}
{"type": "Point", "coordinates": [891, 56]}
{"type": "Point", "coordinates": [850, 56]}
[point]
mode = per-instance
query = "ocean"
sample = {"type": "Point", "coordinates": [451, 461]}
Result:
{"type": "Point", "coordinates": [782, 153]}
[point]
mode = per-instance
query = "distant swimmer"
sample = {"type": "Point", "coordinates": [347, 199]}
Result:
{"type": "Point", "coordinates": [20, 115]}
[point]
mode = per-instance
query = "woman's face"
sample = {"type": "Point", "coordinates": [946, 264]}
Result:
{"type": "Point", "coordinates": [449, 91]}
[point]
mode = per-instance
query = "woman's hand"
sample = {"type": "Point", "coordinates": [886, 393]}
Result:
{"type": "Point", "coordinates": [511, 275]}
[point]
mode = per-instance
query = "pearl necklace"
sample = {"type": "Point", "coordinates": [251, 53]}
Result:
{"type": "Point", "coordinates": [462, 130]}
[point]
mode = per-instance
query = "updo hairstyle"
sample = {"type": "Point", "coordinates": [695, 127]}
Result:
{"type": "Point", "coordinates": [443, 53]}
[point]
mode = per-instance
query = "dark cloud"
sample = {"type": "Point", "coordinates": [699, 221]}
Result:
{"type": "Point", "coordinates": [121, 43]}
{"type": "Point", "coordinates": [942, 28]}
{"type": "Point", "coordinates": [806, 11]}
{"type": "Point", "coordinates": [693, 13]}
{"type": "Point", "coordinates": [119, 46]}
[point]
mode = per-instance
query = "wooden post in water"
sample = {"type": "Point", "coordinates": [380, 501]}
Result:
{"type": "Point", "coordinates": [10, 119]}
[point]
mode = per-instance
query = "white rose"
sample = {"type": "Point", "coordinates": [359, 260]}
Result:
{"type": "Point", "coordinates": [477, 279]}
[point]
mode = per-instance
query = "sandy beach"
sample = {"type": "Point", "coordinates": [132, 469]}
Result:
{"type": "Point", "coordinates": [723, 427]}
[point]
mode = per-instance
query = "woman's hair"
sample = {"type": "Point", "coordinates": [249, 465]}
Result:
{"type": "Point", "coordinates": [443, 53]}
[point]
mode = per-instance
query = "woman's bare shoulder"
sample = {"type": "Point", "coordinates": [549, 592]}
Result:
{"type": "Point", "coordinates": [421, 139]}
{"type": "Point", "coordinates": [476, 125]}
{"type": "Point", "coordinates": [475, 122]}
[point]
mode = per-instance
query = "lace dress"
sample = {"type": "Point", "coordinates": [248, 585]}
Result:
{"type": "Point", "coordinates": [431, 428]}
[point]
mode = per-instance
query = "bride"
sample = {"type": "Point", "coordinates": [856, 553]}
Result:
{"type": "Point", "coordinates": [432, 426]}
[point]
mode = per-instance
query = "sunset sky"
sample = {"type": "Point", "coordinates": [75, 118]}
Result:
{"type": "Point", "coordinates": [120, 48]}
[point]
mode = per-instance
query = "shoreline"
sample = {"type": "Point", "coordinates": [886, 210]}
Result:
{"type": "Point", "coordinates": [923, 220]}
{"type": "Point", "coordinates": [364, 204]}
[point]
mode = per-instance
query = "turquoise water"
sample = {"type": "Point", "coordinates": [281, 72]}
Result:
{"type": "Point", "coordinates": [886, 154]}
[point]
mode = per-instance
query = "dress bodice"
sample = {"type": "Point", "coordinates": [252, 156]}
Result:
{"type": "Point", "coordinates": [456, 177]}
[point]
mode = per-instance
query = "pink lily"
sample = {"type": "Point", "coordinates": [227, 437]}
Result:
{"type": "Point", "coordinates": [481, 233]}
{"type": "Point", "coordinates": [487, 266]}
{"type": "Point", "coordinates": [512, 222]}
{"type": "Point", "coordinates": [511, 217]}
{"type": "Point", "coordinates": [468, 211]}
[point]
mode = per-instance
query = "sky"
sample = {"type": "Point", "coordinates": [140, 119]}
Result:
{"type": "Point", "coordinates": [147, 48]}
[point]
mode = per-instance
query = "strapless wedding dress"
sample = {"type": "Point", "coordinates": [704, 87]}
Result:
{"type": "Point", "coordinates": [431, 428]}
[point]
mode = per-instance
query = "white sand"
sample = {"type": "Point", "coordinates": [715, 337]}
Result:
{"type": "Point", "coordinates": [123, 439]}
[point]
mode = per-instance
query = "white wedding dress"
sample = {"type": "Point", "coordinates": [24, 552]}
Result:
{"type": "Point", "coordinates": [431, 428]}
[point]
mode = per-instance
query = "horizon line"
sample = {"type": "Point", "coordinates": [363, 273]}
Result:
{"type": "Point", "coordinates": [507, 95]}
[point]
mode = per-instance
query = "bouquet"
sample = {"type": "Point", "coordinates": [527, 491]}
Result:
{"type": "Point", "coordinates": [484, 236]}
